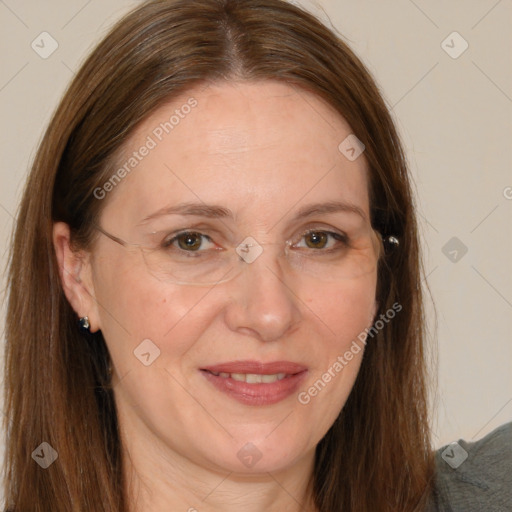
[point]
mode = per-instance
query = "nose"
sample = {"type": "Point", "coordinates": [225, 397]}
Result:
{"type": "Point", "coordinates": [263, 302]}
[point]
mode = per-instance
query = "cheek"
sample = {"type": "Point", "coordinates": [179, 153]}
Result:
{"type": "Point", "coordinates": [134, 307]}
{"type": "Point", "coordinates": [340, 314]}
{"type": "Point", "coordinates": [343, 313]}
{"type": "Point", "coordinates": [345, 309]}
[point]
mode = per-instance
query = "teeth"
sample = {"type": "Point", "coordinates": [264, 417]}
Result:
{"type": "Point", "coordinates": [252, 378]}
{"type": "Point", "coordinates": [272, 378]}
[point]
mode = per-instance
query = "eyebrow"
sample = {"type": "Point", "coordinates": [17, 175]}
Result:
{"type": "Point", "coordinates": [218, 212]}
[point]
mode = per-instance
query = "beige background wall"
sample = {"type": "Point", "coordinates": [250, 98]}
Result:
{"type": "Point", "coordinates": [454, 110]}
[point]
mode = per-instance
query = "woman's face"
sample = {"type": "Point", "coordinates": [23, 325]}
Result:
{"type": "Point", "coordinates": [260, 153]}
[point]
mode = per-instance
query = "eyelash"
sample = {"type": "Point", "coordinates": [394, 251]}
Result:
{"type": "Point", "coordinates": [340, 237]}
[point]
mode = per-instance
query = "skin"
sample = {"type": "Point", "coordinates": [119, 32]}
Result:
{"type": "Point", "coordinates": [263, 150]}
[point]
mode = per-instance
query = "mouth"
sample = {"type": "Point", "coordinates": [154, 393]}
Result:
{"type": "Point", "coordinates": [255, 383]}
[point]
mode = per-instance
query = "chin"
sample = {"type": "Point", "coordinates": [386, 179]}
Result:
{"type": "Point", "coordinates": [254, 457]}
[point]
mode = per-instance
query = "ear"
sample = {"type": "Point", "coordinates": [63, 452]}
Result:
{"type": "Point", "coordinates": [75, 275]}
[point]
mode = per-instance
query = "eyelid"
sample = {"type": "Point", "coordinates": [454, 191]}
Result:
{"type": "Point", "coordinates": [229, 235]}
{"type": "Point", "coordinates": [200, 226]}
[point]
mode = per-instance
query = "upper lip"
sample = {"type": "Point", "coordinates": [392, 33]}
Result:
{"type": "Point", "coordinates": [257, 367]}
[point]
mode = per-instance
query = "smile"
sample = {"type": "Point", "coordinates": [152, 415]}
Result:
{"type": "Point", "coordinates": [255, 383]}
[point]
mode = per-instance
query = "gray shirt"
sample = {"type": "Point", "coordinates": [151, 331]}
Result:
{"type": "Point", "coordinates": [475, 477]}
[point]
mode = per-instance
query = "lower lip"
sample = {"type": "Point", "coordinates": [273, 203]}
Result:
{"type": "Point", "coordinates": [257, 394]}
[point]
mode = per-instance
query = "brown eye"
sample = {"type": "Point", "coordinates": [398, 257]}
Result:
{"type": "Point", "coordinates": [316, 239]}
{"type": "Point", "coordinates": [189, 241]}
{"type": "Point", "coordinates": [323, 241]}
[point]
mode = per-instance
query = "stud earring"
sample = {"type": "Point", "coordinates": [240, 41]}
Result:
{"type": "Point", "coordinates": [390, 243]}
{"type": "Point", "coordinates": [392, 240]}
{"type": "Point", "coordinates": [84, 323]}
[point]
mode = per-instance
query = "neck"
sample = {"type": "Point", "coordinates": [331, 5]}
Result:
{"type": "Point", "coordinates": [158, 479]}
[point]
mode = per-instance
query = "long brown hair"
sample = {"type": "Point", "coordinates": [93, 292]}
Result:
{"type": "Point", "coordinates": [377, 455]}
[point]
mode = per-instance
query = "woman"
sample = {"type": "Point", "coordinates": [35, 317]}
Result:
{"type": "Point", "coordinates": [222, 201]}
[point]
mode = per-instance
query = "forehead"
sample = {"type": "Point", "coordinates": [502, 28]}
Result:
{"type": "Point", "coordinates": [267, 146]}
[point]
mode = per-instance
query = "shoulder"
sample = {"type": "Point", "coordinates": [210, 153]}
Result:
{"type": "Point", "coordinates": [475, 476]}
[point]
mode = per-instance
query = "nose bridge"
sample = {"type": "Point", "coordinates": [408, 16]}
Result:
{"type": "Point", "coordinates": [262, 262]}
{"type": "Point", "coordinates": [249, 250]}
{"type": "Point", "coordinates": [263, 266]}
{"type": "Point", "coordinates": [264, 300]}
